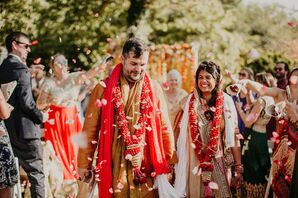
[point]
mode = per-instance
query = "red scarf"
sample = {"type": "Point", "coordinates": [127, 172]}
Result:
{"type": "Point", "coordinates": [104, 163]}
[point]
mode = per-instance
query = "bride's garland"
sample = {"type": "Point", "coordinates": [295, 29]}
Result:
{"type": "Point", "coordinates": [205, 154]}
{"type": "Point", "coordinates": [134, 143]}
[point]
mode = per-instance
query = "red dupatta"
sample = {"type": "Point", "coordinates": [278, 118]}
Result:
{"type": "Point", "coordinates": [104, 163]}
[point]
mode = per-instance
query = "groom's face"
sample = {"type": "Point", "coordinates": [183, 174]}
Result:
{"type": "Point", "coordinates": [134, 67]}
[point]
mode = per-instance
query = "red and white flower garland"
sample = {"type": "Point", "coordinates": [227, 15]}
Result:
{"type": "Point", "coordinates": [205, 157]}
{"type": "Point", "coordinates": [134, 143]}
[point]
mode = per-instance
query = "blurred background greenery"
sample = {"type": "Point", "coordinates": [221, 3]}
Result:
{"type": "Point", "coordinates": [226, 31]}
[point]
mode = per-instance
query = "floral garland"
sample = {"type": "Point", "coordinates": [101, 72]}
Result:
{"type": "Point", "coordinates": [206, 157]}
{"type": "Point", "coordinates": [133, 143]}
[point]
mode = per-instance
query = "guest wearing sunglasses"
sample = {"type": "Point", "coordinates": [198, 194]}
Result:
{"type": "Point", "coordinates": [23, 124]}
{"type": "Point", "coordinates": [243, 97]}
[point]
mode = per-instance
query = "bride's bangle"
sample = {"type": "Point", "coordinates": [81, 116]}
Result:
{"type": "Point", "coordinates": [239, 168]}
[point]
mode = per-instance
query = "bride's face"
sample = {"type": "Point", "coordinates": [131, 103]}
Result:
{"type": "Point", "coordinates": [206, 82]}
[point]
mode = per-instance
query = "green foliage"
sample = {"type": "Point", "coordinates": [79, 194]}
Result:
{"type": "Point", "coordinates": [224, 30]}
{"type": "Point", "coordinates": [267, 62]}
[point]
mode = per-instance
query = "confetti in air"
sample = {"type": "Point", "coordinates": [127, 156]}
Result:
{"type": "Point", "coordinates": [80, 140]}
{"type": "Point", "coordinates": [136, 126]}
{"type": "Point", "coordinates": [153, 174]}
{"type": "Point", "coordinates": [35, 42]}
{"type": "Point", "coordinates": [98, 103]}
{"type": "Point", "coordinates": [281, 121]}
{"type": "Point", "coordinates": [195, 170]}
{"type": "Point", "coordinates": [193, 145]}
{"type": "Point", "coordinates": [37, 61]}
{"type": "Point", "coordinates": [103, 84]}
{"type": "Point", "coordinates": [128, 157]}
{"type": "Point", "coordinates": [213, 185]}
{"type": "Point", "coordinates": [275, 134]}
{"type": "Point", "coordinates": [93, 142]}
{"type": "Point", "coordinates": [51, 121]}
{"type": "Point", "coordinates": [165, 86]}
{"type": "Point", "coordinates": [120, 185]}
{"type": "Point", "coordinates": [212, 109]}
{"type": "Point", "coordinates": [109, 40]}
{"type": "Point", "coordinates": [239, 136]}
{"type": "Point", "coordinates": [88, 51]}
{"type": "Point", "coordinates": [69, 121]}
{"type": "Point", "coordinates": [104, 102]}
{"type": "Point", "coordinates": [292, 24]}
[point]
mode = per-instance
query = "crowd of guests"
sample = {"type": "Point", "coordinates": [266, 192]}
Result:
{"type": "Point", "coordinates": [138, 138]}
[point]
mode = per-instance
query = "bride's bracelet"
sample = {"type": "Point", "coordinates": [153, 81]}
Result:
{"type": "Point", "coordinates": [238, 168]}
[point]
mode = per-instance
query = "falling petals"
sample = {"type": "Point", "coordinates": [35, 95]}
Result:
{"type": "Point", "coordinates": [193, 145]}
{"type": "Point", "coordinates": [104, 102]}
{"type": "Point", "coordinates": [80, 140]}
{"type": "Point", "coordinates": [109, 40]}
{"type": "Point", "coordinates": [98, 103]}
{"type": "Point", "coordinates": [199, 172]}
{"type": "Point", "coordinates": [88, 51]}
{"type": "Point", "coordinates": [288, 179]}
{"type": "Point", "coordinates": [35, 42]}
{"type": "Point", "coordinates": [89, 158]}
{"type": "Point", "coordinates": [103, 84]}
{"type": "Point", "coordinates": [136, 126]}
{"type": "Point", "coordinates": [93, 142]}
{"type": "Point", "coordinates": [128, 157]}
{"type": "Point", "coordinates": [201, 124]}
{"type": "Point", "coordinates": [165, 86]}
{"type": "Point", "coordinates": [276, 162]}
{"type": "Point", "coordinates": [120, 185]}
{"type": "Point", "coordinates": [281, 121]}
{"type": "Point", "coordinates": [275, 134]}
{"type": "Point", "coordinates": [37, 61]}
{"type": "Point", "coordinates": [60, 39]}
{"type": "Point", "coordinates": [292, 24]}
{"type": "Point", "coordinates": [128, 118]}
{"type": "Point", "coordinates": [212, 109]}
{"type": "Point", "coordinates": [195, 170]}
{"type": "Point", "coordinates": [51, 121]}
{"type": "Point", "coordinates": [213, 185]}
{"type": "Point", "coordinates": [69, 121]}
{"type": "Point", "coordinates": [111, 190]}
{"type": "Point", "coordinates": [239, 136]}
